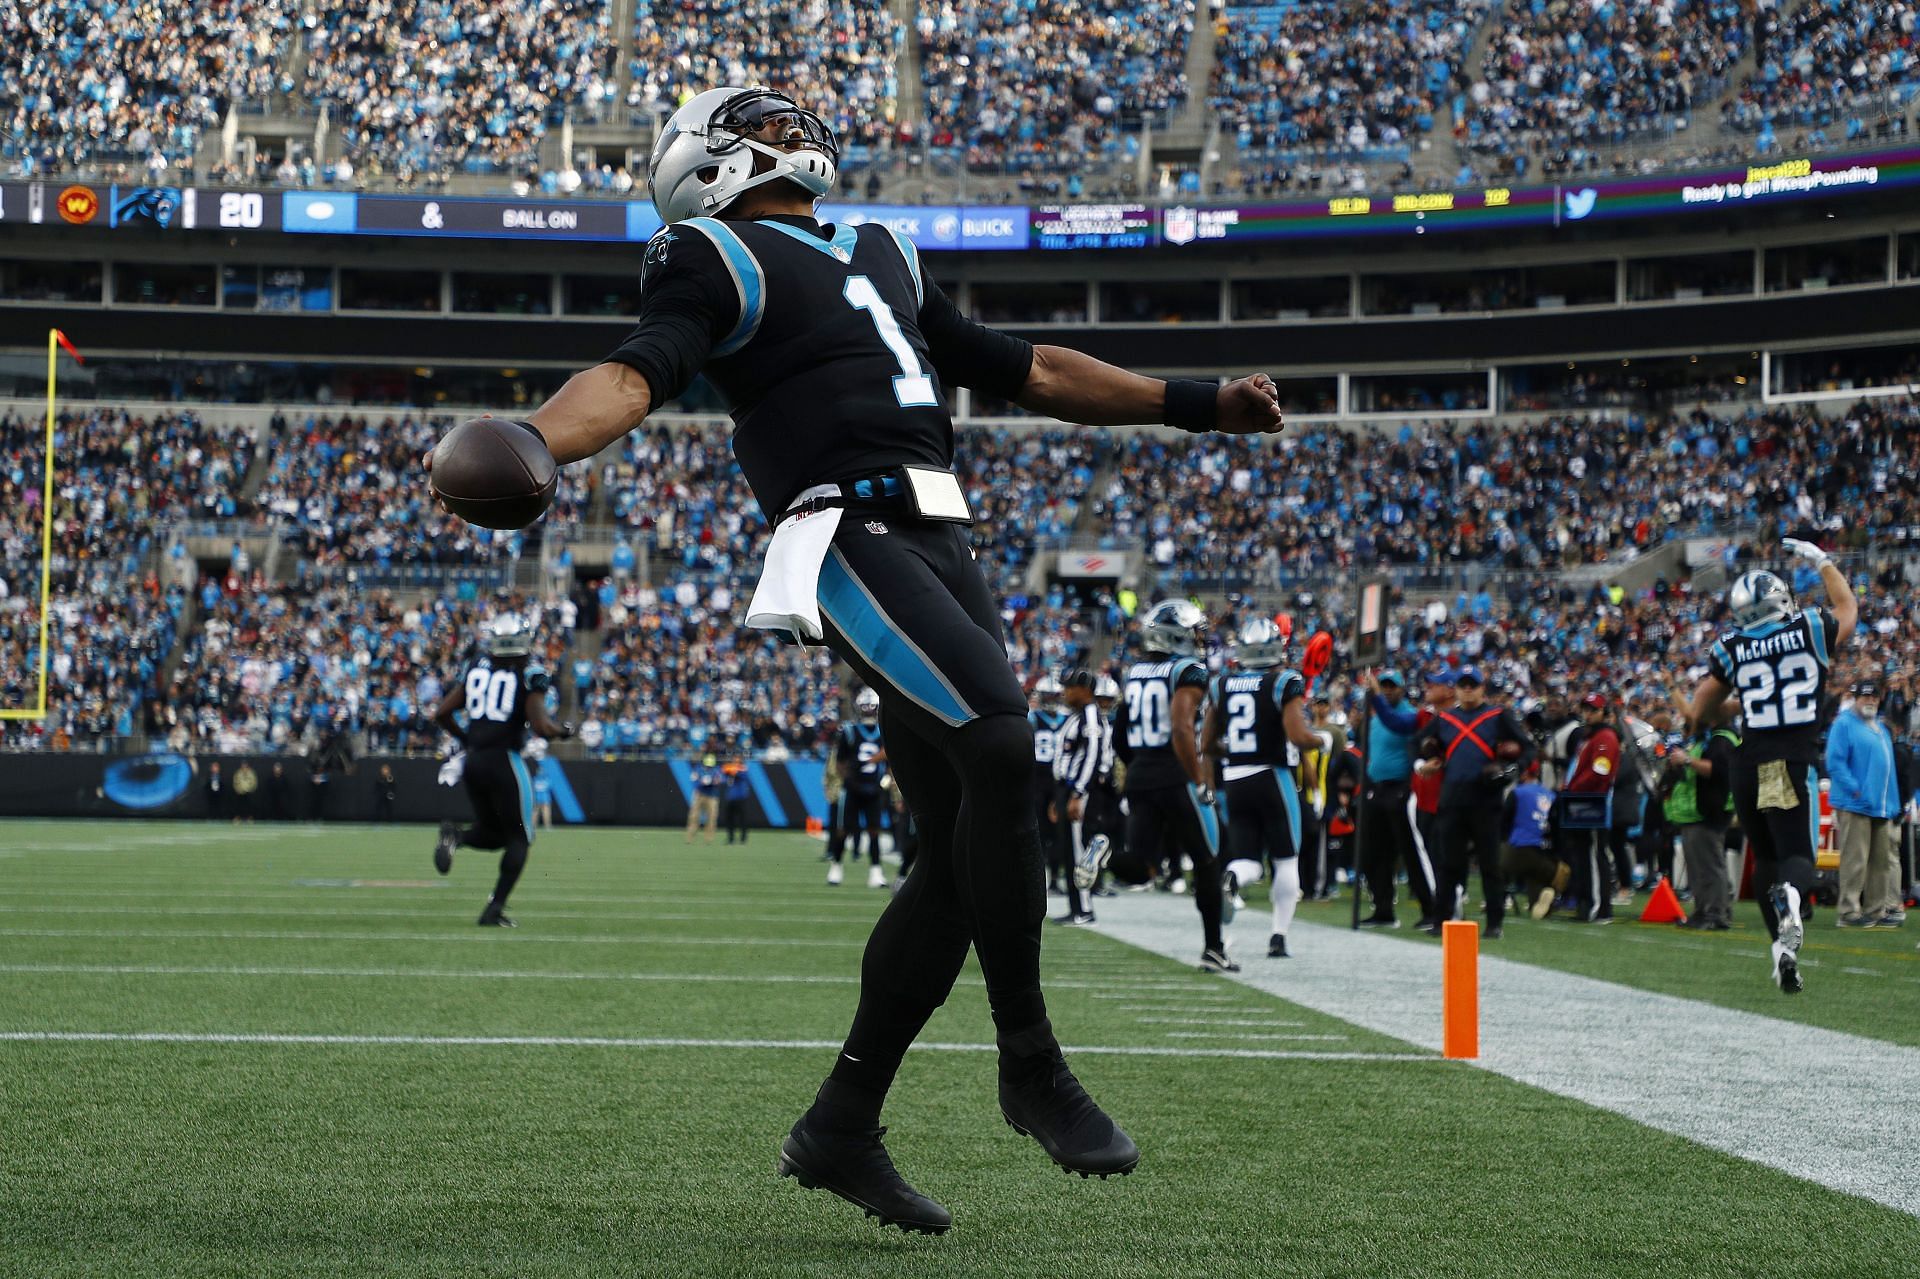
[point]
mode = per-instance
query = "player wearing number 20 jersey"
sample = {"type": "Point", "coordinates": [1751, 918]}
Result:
{"type": "Point", "coordinates": [1156, 730]}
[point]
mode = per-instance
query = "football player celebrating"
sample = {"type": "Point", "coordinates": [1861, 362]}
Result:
{"type": "Point", "coordinates": [503, 696]}
{"type": "Point", "coordinates": [835, 354]}
{"type": "Point", "coordinates": [1776, 661]}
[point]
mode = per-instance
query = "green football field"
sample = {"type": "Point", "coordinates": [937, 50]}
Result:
{"type": "Point", "coordinates": [257, 1051]}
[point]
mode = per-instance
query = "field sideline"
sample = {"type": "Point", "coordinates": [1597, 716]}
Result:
{"type": "Point", "coordinates": [288, 1051]}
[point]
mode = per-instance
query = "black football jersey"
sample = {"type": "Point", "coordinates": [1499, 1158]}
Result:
{"type": "Point", "coordinates": [859, 755]}
{"type": "Point", "coordinates": [1143, 726]}
{"type": "Point", "coordinates": [832, 350]}
{"type": "Point", "coordinates": [1046, 737]}
{"type": "Point", "coordinates": [1778, 670]}
{"type": "Point", "coordinates": [1251, 705]}
{"type": "Point", "coordinates": [497, 704]}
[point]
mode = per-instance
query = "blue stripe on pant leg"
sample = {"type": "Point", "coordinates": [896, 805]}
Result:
{"type": "Point", "coordinates": [884, 646]}
{"type": "Point", "coordinates": [1291, 798]}
{"type": "Point", "coordinates": [525, 784]}
{"type": "Point", "coordinates": [1813, 810]}
{"type": "Point", "coordinates": [1209, 820]}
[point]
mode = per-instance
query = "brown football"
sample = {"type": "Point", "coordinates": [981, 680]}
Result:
{"type": "Point", "coordinates": [1508, 749]}
{"type": "Point", "coordinates": [494, 473]}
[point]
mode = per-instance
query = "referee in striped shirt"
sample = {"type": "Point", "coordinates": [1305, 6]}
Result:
{"type": "Point", "coordinates": [1085, 749]}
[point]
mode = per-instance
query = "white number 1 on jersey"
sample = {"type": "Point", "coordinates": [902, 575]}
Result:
{"type": "Point", "coordinates": [912, 388]}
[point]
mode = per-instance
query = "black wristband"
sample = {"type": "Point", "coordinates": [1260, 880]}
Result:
{"type": "Point", "coordinates": [1192, 405]}
{"type": "Point", "coordinates": [520, 421]}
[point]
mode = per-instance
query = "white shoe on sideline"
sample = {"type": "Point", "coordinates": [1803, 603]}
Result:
{"type": "Point", "coordinates": [876, 878]}
{"type": "Point", "coordinates": [833, 873]}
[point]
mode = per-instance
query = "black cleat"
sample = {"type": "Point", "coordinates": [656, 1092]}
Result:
{"type": "Point", "coordinates": [494, 917]}
{"type": "Point", "coordinates": [854, 1165]}
{"type": "Point", "coordinates": [1277, 947]}
{"type": "Point", "coordinates": [1217, 961]}
{"type": "Point", "coordinates": [443, 848]}
{"type": "Point", "coordinates": [1040, 1098]}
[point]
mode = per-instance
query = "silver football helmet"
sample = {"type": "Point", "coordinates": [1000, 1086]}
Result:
{"type": "Point", "coordinates": [705, 157]}
{"type": "Point", "coordinates": [866, 706]}
{"type": "Point", "coordinates": [507, 636]}
{"type": "Point", "coordinates": [1759, 597]}
{"type": "Point", "coordinates": [1259, 644]}
{"type": "Point", "coordinates": [1175, 627]}
{"type": "Point", "coordinates": [1047, 690]}
{"type": "Point", "coordinates": [1106, 689]}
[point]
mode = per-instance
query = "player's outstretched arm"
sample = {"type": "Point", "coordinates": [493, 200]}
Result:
{"type": "Point", "coordinates": [1075, 387]}
{"type": "Point", "coordinates": [596, 407]}
{"type": "Point", "coordinates": [1846, 609]}
{"type": "Point", "coordinates": [1707, 697]}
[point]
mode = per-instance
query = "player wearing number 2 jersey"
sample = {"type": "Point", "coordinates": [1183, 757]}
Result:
{"type": "Point", "coordinates": [1169, 795]}
{"type": "Point", "coordinates": [836, 354]}
{"type": "Point", "coordinates": [502, 696]}
{"type": "Point", "coordinates": [1256, 725]}
{"type": "Point", "coordinates": [1776, 663]}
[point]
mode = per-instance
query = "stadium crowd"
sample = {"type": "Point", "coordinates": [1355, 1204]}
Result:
{"type": "Point", "coordinates": [1517, 506]}
{"type": "Point", "coordinates": [416, 84]}
{"type": "Point", "coordinates": [1567, 71]}
{"type": "Point", "coordinates": [112, 618]}
{"type": "Point", "coordinates": [133, 80]}
{"type": "Point", "coordinates": [684, 46]}
{"type": "Point", "coordinates": [1333, 77]}
{"type": "Point", "coordinates": [1818, 60]}
{"type": "Point", "coordinates": [1048, 83]}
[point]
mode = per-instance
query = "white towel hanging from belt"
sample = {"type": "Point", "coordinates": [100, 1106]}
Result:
{"type": "Point", "coordinates": [788, 595]}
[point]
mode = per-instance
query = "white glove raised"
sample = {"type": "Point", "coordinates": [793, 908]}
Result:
{"type": "Point", "coordinates": [1806, 551]}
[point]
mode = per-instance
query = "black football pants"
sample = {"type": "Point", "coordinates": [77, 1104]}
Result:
{"type": "Point", "coordinates": [906, 606]}
{"type": "Point", "coordinates": [1389, 845]}
{"type": "Point", "coordinates": [859, 810]}
{"type": "Point", "coordinates": [502, 795]}
{"type": "Point", "coordinates": [1783, 839]}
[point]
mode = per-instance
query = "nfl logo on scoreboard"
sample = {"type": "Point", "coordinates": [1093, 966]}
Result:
{"type": "Point", "coordinates": [1181, 225]}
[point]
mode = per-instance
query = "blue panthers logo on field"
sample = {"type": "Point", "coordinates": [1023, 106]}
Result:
{"type": "Point", "coordinates": [148, 782]}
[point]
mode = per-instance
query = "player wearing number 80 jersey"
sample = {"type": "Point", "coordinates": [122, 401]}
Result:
{"type": "Point", "coordinates": [1776, 664]}
{"type": "Point", "coordinates": [502, 696]}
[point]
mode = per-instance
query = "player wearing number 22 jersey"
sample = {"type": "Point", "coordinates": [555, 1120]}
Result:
{"type": "Point", "coordinates": [1775, 664]}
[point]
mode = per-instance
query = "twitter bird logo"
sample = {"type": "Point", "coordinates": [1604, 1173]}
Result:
{"type": "Point", "coordinates": [1580, 203]}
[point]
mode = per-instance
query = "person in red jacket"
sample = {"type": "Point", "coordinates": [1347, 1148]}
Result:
{"type": "Point", "coordinates": [1426, 793]}
{"type": "Point", "coordinates": [1594, 771]}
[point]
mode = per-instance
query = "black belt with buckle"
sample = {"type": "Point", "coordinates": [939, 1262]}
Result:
{"type": "Point", "coordinates": [920, 492]}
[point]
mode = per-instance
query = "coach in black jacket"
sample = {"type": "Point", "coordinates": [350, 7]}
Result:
{"type": "Point", "coordinates": [1465, 743]}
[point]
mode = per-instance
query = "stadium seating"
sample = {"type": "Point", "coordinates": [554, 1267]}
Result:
{"type": "Point", "coordinates": [122, 478]}
{"type": "Point", "coordinates": [1037, 82]}
{"type": "Point", "coordinates": [138, 80]}
{"type": "Point", "coordinates": [1357, 82]}
{"type": "Point", "coordinates": [425, 84]}
{"type": "Point", "coordinates": [684, 46]}
{"type": "Point", "coordinates": [1567, 71]}
{"type": "Point", "coordinates": [271, 667]}
{"type": "Point", "coordinates": [1819, 61]}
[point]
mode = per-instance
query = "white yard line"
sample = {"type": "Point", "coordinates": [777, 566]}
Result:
{"type": "Point", "coordinates": [424, 913]}
{"type": "Point", "coordinates": [492, 936]}
{"type": "Point", "coordinates": [483, 974]}
{"type": "Point", "coordinates": [597, 1041]}
{"type": "Point", "coordinates": [1818, 1104]}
